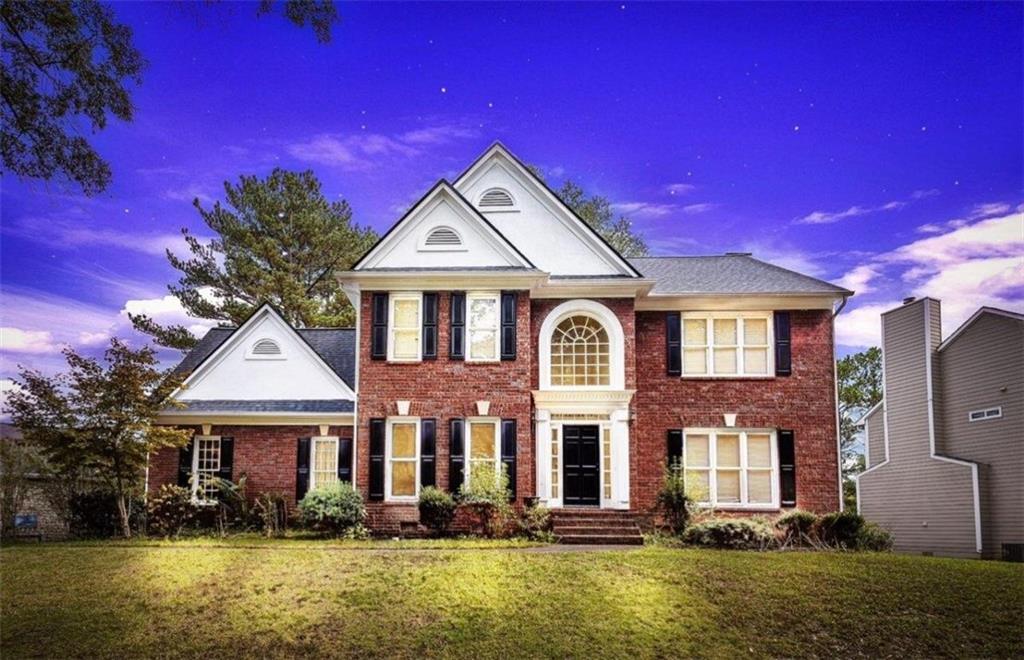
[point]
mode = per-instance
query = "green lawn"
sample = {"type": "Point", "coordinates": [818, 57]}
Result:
{"type": "Point", "coordinates": [290, 598]}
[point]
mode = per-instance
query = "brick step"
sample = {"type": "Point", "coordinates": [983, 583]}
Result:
{"type": "Point", "coordinates": [577, 530]}
{"type": "Point", "coordinates": [589, 539]}
{"type": "Point", "coordinates": [617, 520]}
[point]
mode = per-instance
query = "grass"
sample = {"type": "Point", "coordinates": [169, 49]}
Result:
{"type": "Point", "coordinates": [292, 598]}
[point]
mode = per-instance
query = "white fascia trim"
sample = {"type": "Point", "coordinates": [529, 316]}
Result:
{"type": "Point", "coordinates": [256, 418]}
{"type": "Point", "coordinates": [441, 280]}
{"type": "Point", "coordinates": [734, 302]}
{"type": "Point", "coordinates": [974, 317]}
{"type": "Point", "coordinates": [510, 163]}
{"type": "Point", "coordinates": [593, 287]}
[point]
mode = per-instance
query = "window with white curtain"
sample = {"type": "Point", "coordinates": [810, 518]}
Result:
{"type": "Point", "coordinates": [727, 344]}
{"type": "Point", "coordinates": [730, 468]}
{"type": "Point", "coordinates": [483, 449]}
{"type": "Point", "coordinates": [205, 465]}
{"type": "Point", "coordinates": [483, 319]}
{"type": "Point", "coordinates": [324, 455]}
{"type": "Point", "coordinates": [405, 327]}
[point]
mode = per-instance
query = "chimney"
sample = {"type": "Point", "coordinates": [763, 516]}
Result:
{"type": "Point", "coordinates": [908, 300]}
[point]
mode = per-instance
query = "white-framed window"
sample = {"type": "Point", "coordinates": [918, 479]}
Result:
{"type": "Point", "coordinates": [727, 344]}
{"type": "Point", "coordinates": [580, 353]}
{"type": "Point", "coordinates": [205, 465]}
{"type": "Point", "coordinates": [483, 326]}
{"type": "Point", "coordinates": [732, 468]}
{"type": "Point", "coordinates": [556, 466]}
{"type": "Point", "coordinates": [323, 457]}
{"type": "Point", "coordinates": [405, 324]}
{"type": "Point", "coordinates": [483, 447]}
{"type": "Point", "coordinates": [402, 478]}
{"type": "Point", "coordinates": [986, 413]}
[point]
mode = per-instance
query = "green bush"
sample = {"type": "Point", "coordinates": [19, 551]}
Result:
{"type": "Point", "coordinates": [170, 510]}
{"type": "Point", "coordinates": [874, 538]}
{"type": "Point", "coordinates": [486, 494]}
{"type": "Point", "coordinates": [840, 529]}
{"type": "Point", "coordinates": [271, 510]}
{"type": "Point", "coordinates": [437, 509]}
{"type": "Point", "coordinates": [731, 533]}
{"type": "Point", "coordinates": [673, 501]}
{"type": "Point", "coordinates": [234, 510]}
{"type": "Point", "coordinates": [535, 524]}
{"type": "Point", "coordinates": [797, 527]}
{"type": "Point", "coordinates": [337, 509]}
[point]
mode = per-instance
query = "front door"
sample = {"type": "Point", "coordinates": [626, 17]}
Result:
{"type": "Point", "coordinates": [581, 462]}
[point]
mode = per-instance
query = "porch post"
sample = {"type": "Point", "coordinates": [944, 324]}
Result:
{"type": "Point", "coordinates": [543, 454]}
{"type": "Point", "coordinates": [620, 458]}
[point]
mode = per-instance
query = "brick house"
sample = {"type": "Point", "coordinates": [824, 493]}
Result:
{"type": "Point", "coordinates": [496, 330]}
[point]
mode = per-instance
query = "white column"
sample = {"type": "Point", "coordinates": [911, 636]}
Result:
{"type": "Point", "coordinates": [542, 452]}
{"type": "Point", "coordinates": [620, 459]}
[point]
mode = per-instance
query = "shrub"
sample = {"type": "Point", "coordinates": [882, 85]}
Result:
{"type": "Point", "coordinates": [840, 529]}
{"type": "Point", "coordinates": [797, 527]}
{"type": "Point", "coordinates": [233, 508]}
{"type": "Point", "coordinates": [487, 495]}
{"type": "Point", "coordinates": [94, 514]}
{"type": "Point", "coordinates": [535, 524]}
{"type": "Point", "coordinates": [437, 509]}
{"type": "Point", "coordinates": [874, 538]}
{"type": "Point", "coordinates": [337, 509]}
{"type": "Point", "coordinates": [170, 510]}
{"type": "Point", "coordinates": [732, 533]}
{"type": "Point", "coordinates": [673, 501]}
{"type": "Point", "coordinates": [271, 510]}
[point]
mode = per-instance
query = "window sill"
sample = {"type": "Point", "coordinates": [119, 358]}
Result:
{"type": "Point", "coordinates": [742, 508]}
{"type": "Point", "coordinates": [728, 377]}
{"type": "Point", "coordinates": [402, 500]}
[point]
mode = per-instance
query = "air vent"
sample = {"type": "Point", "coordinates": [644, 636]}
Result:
{"type": "Point", "coordinates": [443, 237]}
{"type": "Point", "coordinates": [266, 347]}
{"type": "Point", "coordinates": [496, 198]}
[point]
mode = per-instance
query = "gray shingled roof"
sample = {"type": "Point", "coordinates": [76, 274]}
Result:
{"type": "Point", "coordinates": [282, 405]}
{"type": "Point", "coordinates": [336, 346]}
{"type": "Point", "coordinates": [727, 274]}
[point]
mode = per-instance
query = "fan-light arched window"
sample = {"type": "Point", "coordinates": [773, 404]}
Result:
{"type": "Point", "coordinates": [496, 199]}
{"type": "Point", "coordinates": [580, 353]}
{"type": "Point", "coordinates": [266, 349]}
{"type": "Point", "coordinates": [442, 237]}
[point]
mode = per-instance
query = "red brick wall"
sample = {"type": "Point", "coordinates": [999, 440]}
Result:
{"type": "Point", "coordinates": [803, 402]}
{"type": "Point", "coordinates": [266, 454]}
{"type": "Point", "coordinates": [443, 389]}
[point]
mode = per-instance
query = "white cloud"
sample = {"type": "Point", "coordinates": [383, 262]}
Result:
{"type": "Point", "coordinates": [363, 151]}
{"type": "Point", "coordinates": [72, 233]}
{"type": "Point", "coordinates": [188, 193]}
{"type": "Point", "coordinates": [828, 217]}
{"type": "Point", "coordinates": [924, 194]}
{"type": "Point", "coordinates": [989, 209]}
{"type": "Point", "coordinates": [93, 338]}
{"type": "Point", "coordinates": [784, 256]}
{"type": "Point", "coordinates": [438, 135]}
{"type": "Point", "coordinates": [680, 188]}
{"type": "Point", "coordinates": [644, 209]}
{"type": "Point", "coordinates": [167, 310]}
{"type": "Point", "coordinates": [16, 340]}
{"type": "Point", "coordinates": [862, 326]}
{"type": "Point", "coordinates": [694, 209]}
{"type": "Point", "coordinates": [859, 279]}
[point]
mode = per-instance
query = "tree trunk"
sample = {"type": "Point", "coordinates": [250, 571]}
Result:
{"type": "Point", "coordinates": [122, 511]}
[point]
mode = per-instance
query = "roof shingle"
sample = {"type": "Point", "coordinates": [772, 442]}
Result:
{"type": "Point", "coordinates": [728, 274]}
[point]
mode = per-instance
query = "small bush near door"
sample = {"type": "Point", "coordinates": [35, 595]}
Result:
{"type": "Point", "coordinates": [336, 509]}
{"type": "Point", "coordinates": [673, 500]}
{"type": "Point", "coordinates": [437, 509]}
{"type": "Point", "coordinates": [731, 533]}
{"type": "Point", "coordinates": [169, 511]}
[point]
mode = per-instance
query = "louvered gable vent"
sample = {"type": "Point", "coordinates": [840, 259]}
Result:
{"type": "Point", "coordinates": [496, 198]}
{"type": "Point", "coordinates": [443, 237]}
{"type": "Point", "coordinates": [266, 347]}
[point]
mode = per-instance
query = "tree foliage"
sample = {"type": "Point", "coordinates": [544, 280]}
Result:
{"type": "Point", "coordinates": [597, 212]}
{"type": "Point", "coordinates": [860, 388]}
{"type": "Point", "coordinates": [320, 14]}
{"type": "Point", "coordinates": [64, 63]}
{"type": "Point", "coordinates": [277, 240]}
{"type": "Point", "coordinates": [98, 419]}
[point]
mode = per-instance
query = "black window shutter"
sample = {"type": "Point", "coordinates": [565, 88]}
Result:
{"type": "Point", "coordinates": [456, 454]}
{"type": "Point", "coordinates": [301, 468]}
{"type": "Point", "coordinates": [457, 336]}
{"type": "Point", "coordinates": [673, 344]}
{"type": "Point", "coordinates": [783, 350]}
{"type": "Point", "coordinates": [787, 468]}
{"type": "Point", "coordinates": [508, 325]}
{"type": "Point", "coordinates": [377, 459]}
{"type": "Point", "coordinates": [345, 459]}
{"type": "Point", "coordinates": [185, 464]}
{"type": "Point", "coordinates": [675, 449]}
{"type": "Point", "coordinates": [379, 329]}
{"type": "Point", "coordinates": [227, 458]}
{"type": "Point", "coordinates": [428, 452]}
{"type": "Point", "coordinates": [429, 326]}
{"type": "Point", "coordinates": [508, 453]}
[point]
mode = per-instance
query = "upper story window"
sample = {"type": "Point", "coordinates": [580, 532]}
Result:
{"type": "Point", "coordinates": [987, 413]}
{"type": "Point", "coordinates": [483, 320]}
{"type": "Point", "coordinates": [265, 349]}
{"type": "Point", "coordinates": [496, 199]}
{"type": "Point", "coordinates": [580, 353]}
{"type": "Point", "coordinates": [442, 239]}
{"type": "Point", "coordinates": [727, 344]}
{"type": "Point", "coordinates": [726, 467]}
{"type": "Point", "coordinates": [405, 326]}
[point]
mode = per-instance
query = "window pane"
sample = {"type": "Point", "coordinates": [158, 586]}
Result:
{"type": "Point", "coordinates": [728, 486]}
{"type": "Point", "coordinates": [695, 361]}
{"type": "Point", "coordinates": [325, 456]}
{"type": "Point", "coordinates": [755, 332]}
{"type": "Point", "coordinates": [759, 453]}
{"type": "Point", "coordinates": [579, 353]}
{"type": "Point", "coordinates": [755, 360]}
{"type": "Point", "coordinates": [483, 313]}
{"type": "Point", "coordinates": [728, 450]}
{"type": "Point", "coordinates": [759, 487]}
{"type": "Point", "coordinates": [695, 332]}
{"type": "Point", "coordinates": [407, 343]}
{"type": "Point", "coordinates": [481, 444]}
{"type": "Point", "coordinates": [482, 345]}
{"type": "Point", "coordinates": [725, 332]}
{"type": "Point", "coordinates": [403, 478]}
{"type": "Point", "coordinates": [697, 451]}
{"type": "Point", "coordinates": [725, 360]}
{"type": "Point", "coordinates": [697, 485]}
{"type": "Point", "coordinates": [403, 441]}
{"type": "Point", "coordinates": [407, 313]}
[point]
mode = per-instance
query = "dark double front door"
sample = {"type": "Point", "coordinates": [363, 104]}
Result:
{"type": "Point", "coordinates": [581, 460]}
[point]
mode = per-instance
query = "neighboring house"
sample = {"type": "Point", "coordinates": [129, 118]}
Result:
{"type": "Point", "coordinates": [497, 330]}
{"type": "Point", "coordinates": [36, 516]}
{"type": "Point", "coordinates": [945, 447]}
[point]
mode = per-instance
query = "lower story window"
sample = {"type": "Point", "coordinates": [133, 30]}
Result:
{"type": "Point", "coordinates": [483, 448]}
{"type": "Point", "coordinates": [325, 462]}
{"type": "Point", "coordinates": [403, 459]}
{"type": "Point", "coordinates": [606, 463]}
{"type": "Point", "coordinates": [556, 468]}
{"type": "Point", "coordinates": [729, 468]}
{"type": "Point", "coordinates": [205, 465]}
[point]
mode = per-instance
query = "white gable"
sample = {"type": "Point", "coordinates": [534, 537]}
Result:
{"type": "Point", "coordinates": [537, 223]}
{"type": "Point", "coordinates": [265, 359]}
{"type": "Point", "coordinates": [442, 231]}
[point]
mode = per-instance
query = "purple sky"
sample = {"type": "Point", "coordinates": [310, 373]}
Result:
{"type": "Point", "coordinates": [875, 145]}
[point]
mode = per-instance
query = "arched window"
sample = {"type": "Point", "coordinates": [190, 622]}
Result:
{"type": "Point", "coordinates": [442, 237]}
{"type": "Point", "coordinates": [580, 353]}
{"type": "Point", "coordinates": [496, 199]}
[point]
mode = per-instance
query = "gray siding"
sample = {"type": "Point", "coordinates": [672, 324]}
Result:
{"type": "Point", "coordinates": [927, 503]}
{"type": "Point", "coordinates": [874, 429]}
{"type": "Point", "coordinates": [983, 367]}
